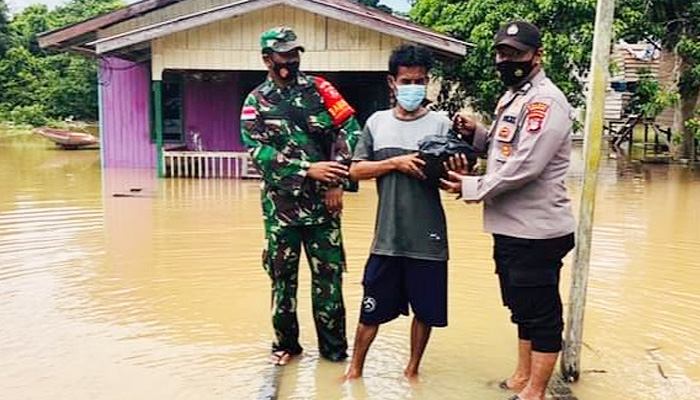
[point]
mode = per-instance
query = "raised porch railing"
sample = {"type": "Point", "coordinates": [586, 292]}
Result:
{"type": "Point", "coordinates": [208, 164]}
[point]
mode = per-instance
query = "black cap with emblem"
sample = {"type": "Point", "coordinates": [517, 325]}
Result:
{"type": "Point", "coordinates": [521, 35]}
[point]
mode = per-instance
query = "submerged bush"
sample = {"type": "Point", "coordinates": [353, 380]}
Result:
{"type": "Point", "coordinates": [34, 114]}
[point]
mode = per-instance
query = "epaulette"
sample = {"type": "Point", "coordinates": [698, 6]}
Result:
{"type": "Point", "coordinates": [525, 88]}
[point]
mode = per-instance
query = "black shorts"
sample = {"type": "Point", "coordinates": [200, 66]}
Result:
{"type": "Point", "coordinates": [392, 283]}
{"type": "Point", "coordinates": [529, 262]}
{"type": "Point", "coordinates": [528, 271]}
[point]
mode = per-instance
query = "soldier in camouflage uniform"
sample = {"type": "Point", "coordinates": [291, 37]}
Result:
{"type": "Point", "coordinates": [300, 134]}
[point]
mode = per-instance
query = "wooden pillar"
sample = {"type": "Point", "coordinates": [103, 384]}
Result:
{"type": "Point", "coordinates": [158, 124]}
{"type": "Point", "coordinates": [101, 115]}
{"type": "Point", "coordinates": [595, 117]}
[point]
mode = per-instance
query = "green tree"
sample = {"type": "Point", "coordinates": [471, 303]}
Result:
{"type": "Point", "coordinates": [79, 10]}
{"type": "Point", "coordinates": [72, 88]}
{"type": "Point", "coordinates": [375, 4]}
{"type": "Point", "coordinates": [567, 34]}
{"type": "Point", "coordinates": [26, 25]}
{"type": "Point", "coordinates": [35, 81]}
{"type": "Point", "coordinates": [693, 125]}
{"type": "Point", "coordinates": [4, 29]}
{"type": "Point", "coordinates": [676, 25]}
{"type": "Point", "coordinates": [650, 98]}
{"type": "Point", "coordinates": [21, 78]}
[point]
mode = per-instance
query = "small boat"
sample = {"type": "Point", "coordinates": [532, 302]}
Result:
{"type": "Point", "coordinates": [66, 139]}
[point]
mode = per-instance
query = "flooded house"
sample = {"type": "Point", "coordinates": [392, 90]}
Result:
{"type": "Point", "coordinates": [651, 138]}
{"type": "Point", "coordinates": [173, 73]}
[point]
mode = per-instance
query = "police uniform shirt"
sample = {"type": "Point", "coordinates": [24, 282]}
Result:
{"type": "Point", "coordinates": [529, 145]}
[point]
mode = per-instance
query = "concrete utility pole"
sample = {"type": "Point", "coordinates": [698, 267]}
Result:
{"type": "Point", "coordinates": [595, 115]}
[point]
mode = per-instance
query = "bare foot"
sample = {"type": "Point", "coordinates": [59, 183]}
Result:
{"type": "Point", "coordinates": [280, 358]}
{"type": "Point", "coordinates": [534, 396]}
{"type": "Point", "coordinates": [411, 374]}
{"type": "Point", "coordinates": [514, 384]}
{"type": "Point", "coordinates": [352, 373]}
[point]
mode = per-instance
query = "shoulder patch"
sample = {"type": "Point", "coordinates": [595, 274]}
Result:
{"type": "Point", "coordinates": [337, 107]}
{"type": "Point", "coordinates": [537, 109]}
{"type": "Point", "coordinates": [535, 116]}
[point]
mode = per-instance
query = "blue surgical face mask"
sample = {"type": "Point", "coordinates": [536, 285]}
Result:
{"type": "Point", "coordinates": [410, 97]}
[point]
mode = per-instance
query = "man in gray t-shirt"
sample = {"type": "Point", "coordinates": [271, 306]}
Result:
{"type": "Point", "coordinates": [408, 259]}
{"type": "Point", "coordinates": [410, 219]}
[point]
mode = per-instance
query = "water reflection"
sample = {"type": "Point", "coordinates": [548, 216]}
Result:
{"type": "Point", "coordinates": [119, 285]}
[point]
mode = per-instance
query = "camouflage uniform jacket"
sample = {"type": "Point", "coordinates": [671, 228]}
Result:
{"type": "Point", "coordinates": [285, 130]}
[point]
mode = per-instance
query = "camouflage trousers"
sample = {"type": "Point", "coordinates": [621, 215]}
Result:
{"type": "Point", "coordinates": [324, 251]}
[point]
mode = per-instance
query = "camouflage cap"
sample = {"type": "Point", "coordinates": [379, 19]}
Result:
{"type": "Point", "coordinates": [280, 40]}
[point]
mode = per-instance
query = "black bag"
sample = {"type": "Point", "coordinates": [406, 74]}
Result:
{"type": "Point", "coordinates": [436, 149]}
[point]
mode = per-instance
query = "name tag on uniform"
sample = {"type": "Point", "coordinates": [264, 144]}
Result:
{"type": "Point", "coordinates": [511, 119]}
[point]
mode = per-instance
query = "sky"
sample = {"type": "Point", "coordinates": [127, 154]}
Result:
{"type": "Point", "coordinates": [18, 5]}
{"type": "Point", "coordinates": [398, 5]}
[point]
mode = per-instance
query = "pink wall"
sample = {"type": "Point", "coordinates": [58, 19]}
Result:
{"type": "Point", "coordinates": [125, 114]}
{"type": "Point", "coordinates": [213, 109]}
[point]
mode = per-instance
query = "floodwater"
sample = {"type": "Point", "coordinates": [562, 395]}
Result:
{"type": "Point", "coordinates": [157, 293]}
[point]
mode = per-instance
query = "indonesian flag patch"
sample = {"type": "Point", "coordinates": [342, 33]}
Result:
{"type": "Point", "coordinates": [249, 113]}
{"type": "Point", "coordinates": [536, 114]}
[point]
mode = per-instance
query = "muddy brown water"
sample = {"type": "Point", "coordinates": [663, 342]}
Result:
{"type": "Point", "coordinates": [158, 293]}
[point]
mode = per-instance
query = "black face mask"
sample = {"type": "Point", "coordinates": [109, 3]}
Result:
{"type": "Point", "coordinates": [287, 71]}
{"type": "Point", "coordinates": [513, 72]}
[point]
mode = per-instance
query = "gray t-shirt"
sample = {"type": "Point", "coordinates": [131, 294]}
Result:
{"type": "Point", "coordinates": [410, 219]}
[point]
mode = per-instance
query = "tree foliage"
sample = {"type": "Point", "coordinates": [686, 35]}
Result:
{"type": "Point", "coordinates": [35, 83]}
{"type": "Point", "coordinates": [650, 98]}
{"type": "Point", "coordinates": [375, 4]}
{"type": "Point", "coordinates": [4, 28]}
{"type": "Point", "coordinates": [567, 33]}
{"type": "Point", "coordinates": [675, 24]}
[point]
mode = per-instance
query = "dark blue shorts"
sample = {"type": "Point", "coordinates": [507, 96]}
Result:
{"type": "Point", "coordinates": [392, 283]}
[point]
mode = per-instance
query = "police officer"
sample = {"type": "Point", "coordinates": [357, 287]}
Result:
{"type": "Point", "coordinates": [300, 134]}
{"type": "Point", "coordinates": [526, 207]}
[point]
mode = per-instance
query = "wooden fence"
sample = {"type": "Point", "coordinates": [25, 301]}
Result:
{"type": "Point", "coordinates": [208, 164]}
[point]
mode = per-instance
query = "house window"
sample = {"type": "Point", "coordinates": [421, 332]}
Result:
{"type": "Point", "coordinates": [173, 122]}
{"type": "Point", "coordinates": [172, 89]}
